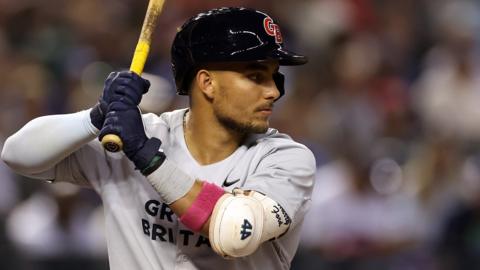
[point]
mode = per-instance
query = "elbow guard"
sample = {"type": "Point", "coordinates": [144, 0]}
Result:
{"type": "Point", "coordinates": [241, 221]}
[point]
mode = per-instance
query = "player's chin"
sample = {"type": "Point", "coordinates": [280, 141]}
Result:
{"type": "Point", "coordinates": [260, 126]}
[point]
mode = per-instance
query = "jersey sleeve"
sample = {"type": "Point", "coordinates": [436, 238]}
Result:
{"type": "Point", "coordinates": [85, 167]}
{"type": "Point", "coordinates": [285, 174]}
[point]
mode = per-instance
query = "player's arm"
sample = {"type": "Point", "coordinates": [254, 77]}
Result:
{"type": "Point", "coordinates": [45, 141]}
{"type": "Point", "coordinates": [236, 223]}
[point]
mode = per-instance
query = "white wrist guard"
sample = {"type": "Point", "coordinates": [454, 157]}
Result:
{"type": "Point", "coordinates": [170, 182]}
{"type": "Point", "coordinates": [241, 221]}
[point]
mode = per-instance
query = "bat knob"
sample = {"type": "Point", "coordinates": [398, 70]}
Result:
{"type": "Point", "coordinates": [112, 143]}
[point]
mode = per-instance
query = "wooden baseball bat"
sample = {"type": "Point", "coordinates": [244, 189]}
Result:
{"type": "Point", "coordinates": [112, 142]}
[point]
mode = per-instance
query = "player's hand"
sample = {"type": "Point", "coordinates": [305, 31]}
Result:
{"type": "Point", "coordinates": [125, 120]}
{"type": "Point", "coordinates": [122, 86]}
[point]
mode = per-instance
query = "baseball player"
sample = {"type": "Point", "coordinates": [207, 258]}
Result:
{"type": "Point", "coordinates": [206, 187]}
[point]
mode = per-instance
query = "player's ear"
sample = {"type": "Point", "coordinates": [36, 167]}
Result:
{"type": "Point", "coordinates": [205, 82]}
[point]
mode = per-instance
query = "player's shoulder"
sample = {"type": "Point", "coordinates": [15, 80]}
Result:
{"type": "Point", "coordinates": [165, 121]}
{"type": "Point", "coordinates": [274, 139]}
{"type": "Point", "coordinates": [275, 142]}
{"type": "Point", "coordinates": [167, 118]}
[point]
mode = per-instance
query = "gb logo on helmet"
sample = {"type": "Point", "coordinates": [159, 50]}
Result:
{"type": "Point", "coordinates": [272, 29]}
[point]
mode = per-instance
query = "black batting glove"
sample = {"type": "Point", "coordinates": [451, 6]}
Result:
{"type": "Point", "coordinates": [125, 120]}
{"type": "Point", "coordinates": [123, 86]}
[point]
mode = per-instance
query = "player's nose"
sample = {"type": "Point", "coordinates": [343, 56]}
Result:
{"type": "Point", "coordinates": [271, 91]}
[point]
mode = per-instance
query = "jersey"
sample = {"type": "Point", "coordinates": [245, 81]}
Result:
{"type": "Point", "coordinates": [142, 232]}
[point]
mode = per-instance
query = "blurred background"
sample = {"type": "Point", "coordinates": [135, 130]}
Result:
{"type": "Point", "coordinates": [389, 104]}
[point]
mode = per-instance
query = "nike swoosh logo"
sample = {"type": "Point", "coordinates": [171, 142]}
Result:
{"type": "Point", "coordinates": [229, 183]}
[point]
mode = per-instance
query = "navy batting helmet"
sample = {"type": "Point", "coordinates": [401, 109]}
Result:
{"type": "Point", "coordinates": [224, 35]}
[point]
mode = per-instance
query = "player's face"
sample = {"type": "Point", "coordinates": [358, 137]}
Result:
{"type": "Point", "coordinates": [244, 96]}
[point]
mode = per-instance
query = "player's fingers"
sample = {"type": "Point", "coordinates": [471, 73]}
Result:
{"type": "Point", "coordinates": [128, 95]}
{"type": "Point", "coordinates": [111, 125]}
{"type": "Point", "coordinates": [120, 104]}
{"type": "Point", "coordinates": [110, 129]}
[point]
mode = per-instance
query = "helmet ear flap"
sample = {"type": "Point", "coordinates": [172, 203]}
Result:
{"type": "Point", "coordinates": [279, 80]}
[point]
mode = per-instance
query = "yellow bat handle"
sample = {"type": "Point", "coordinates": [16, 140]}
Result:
{"type": "Point", "coordinates": [112, 142]}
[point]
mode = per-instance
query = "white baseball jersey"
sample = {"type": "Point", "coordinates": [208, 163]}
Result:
{"type": "Point", "coordinates": [143, 232]}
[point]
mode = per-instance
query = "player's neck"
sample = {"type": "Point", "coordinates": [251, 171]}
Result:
{"type": "Point", "coordinates": [207, 140]}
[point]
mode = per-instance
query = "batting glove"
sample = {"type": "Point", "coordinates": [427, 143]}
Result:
{"type": "Point", "coordinates": [123, 86]}
{"type": "Point", "coordinates": [125, 120]}
{"type": "Point", "coordinates": [124, 92]}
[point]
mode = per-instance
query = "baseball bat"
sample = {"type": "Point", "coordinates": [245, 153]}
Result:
{"type": "Point", "coordinates": [112, 142]}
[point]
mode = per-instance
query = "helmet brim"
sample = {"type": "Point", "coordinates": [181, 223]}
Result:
{"type": "Point", "coordinates": [288, 58]}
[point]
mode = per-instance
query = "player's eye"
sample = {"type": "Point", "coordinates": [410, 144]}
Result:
{"type": "Point", "coordinates": [256, 77]}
